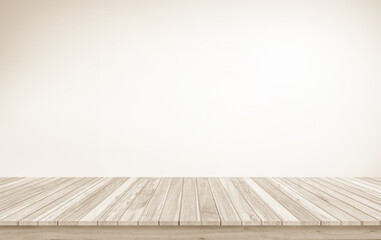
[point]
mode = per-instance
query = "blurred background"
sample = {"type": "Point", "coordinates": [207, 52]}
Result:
{"type": "Point", "coordinates": [190, 88]}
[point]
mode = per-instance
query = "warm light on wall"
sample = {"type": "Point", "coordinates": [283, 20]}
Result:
{"type": "Point", "coordinates": [190, 88]}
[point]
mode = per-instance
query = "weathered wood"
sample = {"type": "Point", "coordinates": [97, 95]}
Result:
{"type": "Point", "coordinates": [190, 201]}
{"type": "Point", "coordinates": [190, 233]}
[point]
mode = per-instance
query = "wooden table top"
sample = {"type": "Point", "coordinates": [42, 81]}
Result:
{"type": "Point", "coordinates": [190, 201]}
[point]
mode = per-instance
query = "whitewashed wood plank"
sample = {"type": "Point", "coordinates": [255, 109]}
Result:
{"type": "Point", "coordinates": [208, 210]}
{"type": "Point", "coordinates": [135, 210]}
{"type": "Point", "coordinates": [287, 217]}
{"type": "Point", "coordinates": [116, 210]}
{"type": "Point", "coordinates": [92, 217]}
{"type": "Point", "coordinates": [226, 210]}
{"type": "Point", "coordinates": [170, 214]}
{"type": "Point", "coordinates": [152, 212]}
{"type": "Point", "coordinates": [324, 217]}
{"type": "Point", "coordinates": [267, 215]}
{"type": "Point", "coordinates": [190, 210]}
{"type": "Point", "coordinates": [246, 213]}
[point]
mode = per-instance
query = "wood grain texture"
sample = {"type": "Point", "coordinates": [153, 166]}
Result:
{"type": "Point", "coordinates": [340, 201]}
{"type": "Point", "coordinates": [244, 210]}
{"type": "Point", "coordinates": [72, 191]}
{"type": "Point", "coordinates": [92, 217]}
{"type": "Point", "coordinates": [358, 190]}
{"type": "Point", "coordinates": [287, 217]}
{"type": "Point", "coordinates": [152, 211]}
{"type": "Point", "coordinates": [115, 211]}
{"type": "Point", "coordinates": [324, 217]}
{"type": "Point", "coordinates": [208, 209]}
{"type": "Point", "coordinates": [56, 215]}
{"type": "Point", "coordinates": [202, 202]}
{"type": "Point", "coordinates": [190, 208]}
{"type": "Point", "coordinates": [133, 213]}
{"type": "Point", "coordinates": [45, 198]}
{"type": "Point", "coordinates": [225, 207]}
{"type": "Point", "coordinates": [75, 213]}
{"type": "Point", "coordinates": [170, 214]}
{"type": "Point", "coordinates": [191, 233]}
{"type": "Point", "coordinates": [264, 212]}
{"type": "Point", "coordinates": [302, 214]}
{"type": "Point", "coordinates": [319, 200]}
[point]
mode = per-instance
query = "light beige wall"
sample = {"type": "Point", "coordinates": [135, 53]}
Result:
{"type": "Point", "coordinates": [192, 88]}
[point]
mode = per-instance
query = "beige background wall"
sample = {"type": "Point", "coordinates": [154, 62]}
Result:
{"type": "Point", "coordinates": [192, 88]}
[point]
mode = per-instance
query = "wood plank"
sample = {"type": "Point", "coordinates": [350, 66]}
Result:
{"type": "Point", "coordinates": [364, 218]}
{"type": "Point", "coordinates": [152, 212]}
{"type": "Point", "coordinates": [116, 210]}
{"type": "Point", "coordinates": [19, 190]}
{"type": "Point", "coordinates": [372, 180]}
{"type": "Point", "coordinates": [267, 216]}
{"type": "Point", "coordinates": [197, 202]}
{"type": "Point", "coordinates": [135, 210]}
{"type": "Point", "coordinates": [226, 210]}
{"type": "Point", "coordinates": [92, 217]}
{"type": "Point", "coordinates": [56, 214]}
{"type": "Point", "coordinates": [208, 209]}
{"type": "Point", "coordinates": [304, 216]}
{"type": "Point", "coordinates": [347, 204]}
{"type": "Point", "coordinates": [171, 211]}
{"type": "Point", "coordinates": [360, 200]}
{"type": "Point", "coordinates": [75, 213]}
{"type": "Point", "coordinates": [16, 188]}
{"type": "Point", "coordinates": [12, 189]}
{"type": "Point", "coordinates": [363, 187]}
{"type": "Point", "coordinates": [190, 210]}
{"type": "Point", "coordinates": [345, 218]}
{"type": "Point", "coordinates": [370, 185]}
{"type": "Point", "coordinates": [378, 179]}
{"type": "Point", "coordinates": [324, 217]}
{"type": "Point", "coordinates": [43, 199]}
{"type": "Point", "coordinates": [352, 189]}
{"type": "Point", "coordinates": [191, 233]}
{"type": "Point", "coordinates": [6, 181]}
{"type": "Point", "coordinates": [246, 213]}
{"type": "Point", "coordinates": [369, 181]}
{"type": "Point", "coordinates": [70, 192]}
{"type": "Point", "coordinates": [286, 216]}
{"type": "Point", "coordinates": [29, 197]}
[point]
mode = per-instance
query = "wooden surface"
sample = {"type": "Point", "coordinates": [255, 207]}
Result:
{"type": "Point", "coordinates": [190, 233]}
{"type": "Point", "coordinates": [202, 202]}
